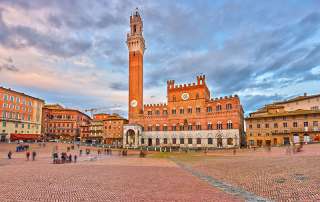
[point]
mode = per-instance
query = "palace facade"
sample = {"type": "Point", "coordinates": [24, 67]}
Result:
{"type": "Point", "coordinates": [190, 117]}
{"type": "Point", "coordinates": [106, 129]}
{"type": "Point", "coordinates": [20, 115]}
{"type": "Point", "coordinates": [63, 123]}
{"type": "Point", "coordinates": [288, 122]}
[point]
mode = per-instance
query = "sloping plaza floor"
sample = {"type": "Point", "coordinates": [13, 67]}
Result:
{"type": "Point", "coordinates": [108, 178]}
{"type": "Point", "coordinates": [195, 176]}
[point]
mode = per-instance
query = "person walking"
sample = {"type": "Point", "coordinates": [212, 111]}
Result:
{"type": "Point", "coordinates": [70, 158]}
{"type": "Point", "coordinates": [75, 158]}
{"type": "Point", "coordinates": [28, 155]}
{"type": "Point", "coordinates": [9, 154]}
{"type": "Point", "coordinates": [34, 154]}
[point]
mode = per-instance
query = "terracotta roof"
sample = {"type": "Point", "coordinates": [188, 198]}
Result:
{"type": "Point", "coordinates": [299, 98]}
{"type": "Point", "coordinates": [22, 94]}
{"type": "Point", "coordinates": [287, 113]}
{"type": "Point", "coordinates": [60, 108]}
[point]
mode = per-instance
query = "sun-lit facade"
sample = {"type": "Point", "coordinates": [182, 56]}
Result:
{"type": "Point", "coordinates": [20, 115]}
{"type": "Point", "coordinates": [190, 117]}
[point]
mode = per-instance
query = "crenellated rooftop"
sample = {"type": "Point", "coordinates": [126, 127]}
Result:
{"type": "Point", "coordinates": [200, 82]}
{"type": "Point", "coordinates": [224, 98]}
{"type": "Point", "coordinates": [156, 105]}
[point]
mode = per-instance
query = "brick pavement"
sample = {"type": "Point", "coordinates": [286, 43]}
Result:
{"type": "Point", "coordinates": [107, 179]}
{"type": "Point", "coordinates": [273, 175]}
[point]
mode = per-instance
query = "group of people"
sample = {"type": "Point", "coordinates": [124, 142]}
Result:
{"type": "Point", "coordinates": [34, 154]}
{"type": "Point", "coordinates": [64, 158]}
{"type": "Point", "coordinates": [28, 154]}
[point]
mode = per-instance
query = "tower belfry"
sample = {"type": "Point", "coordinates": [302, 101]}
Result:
{"type": "Point", "coordinates": [136, 46]}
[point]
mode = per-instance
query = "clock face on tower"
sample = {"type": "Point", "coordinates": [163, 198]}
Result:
{"type": "Point", "coordinates": [133, 103]}
{"type": "Point", "coordinates": [185, 96]}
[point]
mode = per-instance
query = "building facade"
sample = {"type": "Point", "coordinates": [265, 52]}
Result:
{"type": "Point", "coordinates": [20, 115]}
{"type": "Point", "coordinates": [287, 122]}
{"type": "Point", "coordinates": [107, 129]}
{"type": "Point", "coordinates": [61, 123]}
{"type": "Point", "coordinates": [188, 118]}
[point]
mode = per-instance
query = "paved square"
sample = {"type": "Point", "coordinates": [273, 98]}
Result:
{"type": "Point", "coordinates": [194, 176]}
{"type": "Point", "coordinates": [112, 178]}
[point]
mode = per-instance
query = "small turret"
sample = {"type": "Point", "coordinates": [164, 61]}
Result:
{"type": "Point", "coordinates": [170, 84]}
{"type": "Point", "coordinates": [201, 79]}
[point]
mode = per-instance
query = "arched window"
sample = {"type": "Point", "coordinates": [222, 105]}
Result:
{"type": "Point", "coordinates": [229, 124]}
{"type": "Point", "coordinates": [157, 127]}
{"type": "Point", "coordinates": [218, 107]}
{"type": "Point", "coordinates": [197, 96]}
{"type": "Point", "coordinates": [229, 106]}
{"type": "Point", "coordinates": [134, 28]}
{"type": "Point", "coordinates": [181, 128]}
{"type": "Point", "coordinates": [165, 127]}
{"type": "Point", "coordinates": [198, 126]}
{"type": "Point", "coordinates": [209, 126]}
{"type": "Point", "coordinates": [219, 125]}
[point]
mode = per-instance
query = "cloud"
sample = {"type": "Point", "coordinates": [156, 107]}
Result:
{"type": "Point", "coordinates": [7, 64]}
{"type": "Point", "coordinates": [77, 48]}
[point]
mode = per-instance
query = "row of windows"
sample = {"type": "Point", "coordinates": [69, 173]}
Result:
{"type": "Point", "coordinates": [4, 124]}
{"type": "Point", "coordinates": [16, 99]}
{"type": "Point", "coordinates": [61, 131]}
{"type": "Point", "coordinates": [285, 124]}
{"type": "Point", "coordinates": [17, 116]}
{"type": "Point", "coordinates": [189, 110]}
{"type": "Point", "coordinates": [16, 131]}
{"type": "Point", "coordinates": [16, 107]}
{"type": "Point", "coordinates": [189, 140]}
{"type": "Point", "coordinates": [67, 125]}
{"type": "Point", "coordinates": [219, 126]}
{"type": "Point", "coordinates": [284, 118]}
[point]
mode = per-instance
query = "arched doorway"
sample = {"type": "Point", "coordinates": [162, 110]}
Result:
{"type": "Point", "coordinates": [296, 138]}
{"type": "Point", "coordinates": [306, 138]}
{"type": "Point", "coordinates": [130, 137]}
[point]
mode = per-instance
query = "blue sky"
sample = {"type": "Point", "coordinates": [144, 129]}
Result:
{"type": "Point", "coordinates": [73, 52]}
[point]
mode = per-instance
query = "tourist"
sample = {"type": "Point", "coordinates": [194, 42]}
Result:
{"type": "Point", "coordinates": [34, 154]}
{"type": "Point", "coordinates": [234, 151]}
{"type": "Point", "coordinates": [80, 152]}
{"type": "Point", "coordinates": [28, 155]}
{"type": "Point", "coordinates": [9, 154]}
{"type": "Point", "coordinates": [70, 158]}
{"type": "Point", "coordinates": [105, 151]}
{"type": "Point", "coordinates": [75, 158]}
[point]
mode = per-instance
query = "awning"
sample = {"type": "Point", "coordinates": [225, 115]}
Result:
{"type": "Point", "coordinates": [14, 137]}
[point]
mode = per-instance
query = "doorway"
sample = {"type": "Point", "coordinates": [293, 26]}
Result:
{"type": "Point", "coordinates": [130, 137]}
{"type": "Point", "coordinates": [219, 142]}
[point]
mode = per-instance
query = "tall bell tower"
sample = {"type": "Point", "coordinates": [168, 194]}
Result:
{"type": "Point", "coordinates": [136, 46]}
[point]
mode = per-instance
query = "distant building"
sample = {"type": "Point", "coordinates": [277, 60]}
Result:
{"type": "Point", "coordinates": [189, 118]}
{"type": "Point", "coordinates": [20, 115]}
{"type": "Point", "coordinates": [106, 128]}
{"type": "Point", "coordinates": [62, 123]}
{"type": "Point", "coordinates": [281, 123]}
{"type": "Point", "coordinates": [96, 132]}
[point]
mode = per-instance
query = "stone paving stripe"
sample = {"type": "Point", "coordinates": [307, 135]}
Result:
{"type": "Point", "coordinates": [236, 191]}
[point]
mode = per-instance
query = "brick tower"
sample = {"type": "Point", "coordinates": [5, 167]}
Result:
{"type": "Point", "coordinates": [136, 46]}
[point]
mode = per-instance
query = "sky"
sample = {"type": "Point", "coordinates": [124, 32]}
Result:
{"type": "Point", "coordinates": [73, 52]}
